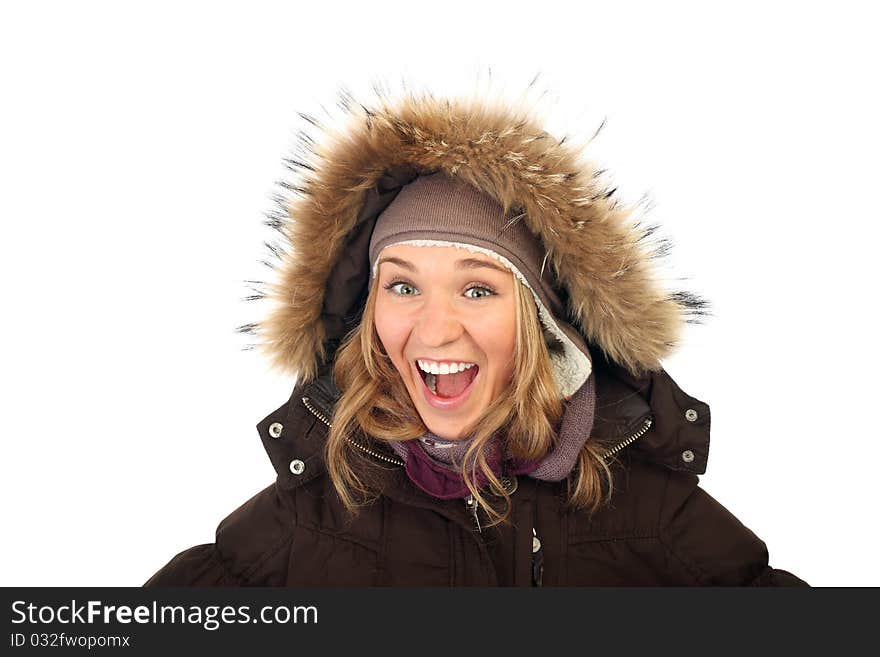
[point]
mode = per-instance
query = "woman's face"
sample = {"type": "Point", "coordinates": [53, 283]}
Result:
{"type": "Point", "coordinates": [443, 305]}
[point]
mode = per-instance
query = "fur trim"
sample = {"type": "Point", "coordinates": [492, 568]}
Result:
{"type": "Point", "coordinates": [603, 258]}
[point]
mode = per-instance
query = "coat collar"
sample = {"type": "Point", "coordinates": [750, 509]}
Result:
{"type": "Point", "coordinates": [649, 416]}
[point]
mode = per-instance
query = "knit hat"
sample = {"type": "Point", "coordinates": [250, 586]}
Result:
{"type": "Point", "coordinates": [442, 210]}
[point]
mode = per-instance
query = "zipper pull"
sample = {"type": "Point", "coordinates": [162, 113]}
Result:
{"type": "Point", "coordinates": [471, 504]}
{"type": "Point", "coordinates": [537, 560]}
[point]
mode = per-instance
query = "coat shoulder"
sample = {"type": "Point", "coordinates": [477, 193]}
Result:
{"type": "Point", "coordinates": [710, 543]}
{"type": "Point", "coordinates": [249, 548]}
{"type": "Point", "coordinates": [693, 539]}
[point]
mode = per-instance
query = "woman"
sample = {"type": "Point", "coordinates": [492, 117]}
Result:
{"type": "Point", "coordinates": [477, 335]}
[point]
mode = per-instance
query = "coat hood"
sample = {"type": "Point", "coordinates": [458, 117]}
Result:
{"type": "Point", "coordinates": [344, 176]}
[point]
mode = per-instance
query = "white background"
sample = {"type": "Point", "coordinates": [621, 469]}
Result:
{"type": "Point", "coordinates": [139, 147]}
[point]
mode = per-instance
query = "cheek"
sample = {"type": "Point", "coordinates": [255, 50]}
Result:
{"type": "Point", "coordinates": [498, 339]}
{"type": "Point", "coordinates": [392, 333]}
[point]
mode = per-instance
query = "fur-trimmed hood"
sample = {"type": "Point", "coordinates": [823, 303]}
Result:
{"type": "Point", "coordinates": [344, 176]}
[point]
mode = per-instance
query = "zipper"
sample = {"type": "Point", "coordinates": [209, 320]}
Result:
{"type": "Point", "coordinates": [638, 434]}
{"type": "Point", "coordinates": [471, 504]}
{"type": "Point", "coordinates": [318, 414]}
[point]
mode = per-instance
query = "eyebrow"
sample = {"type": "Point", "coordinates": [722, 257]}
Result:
{"type": "Point", "coordinates": [463, 263]}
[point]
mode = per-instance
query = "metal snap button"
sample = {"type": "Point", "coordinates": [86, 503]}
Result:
{"type": "Point", "coordinates": [275, 429]}
{"type": "Point", "coordinates": [536, 542]}
{"type": "Point", "coordinates": [690, 415]}
{"type": "Point", "coordinates": [508, 482]}
{"type": "Point", "coordinates": [687, 456]}
{"type": "Point", "coordinates": [297, 467]}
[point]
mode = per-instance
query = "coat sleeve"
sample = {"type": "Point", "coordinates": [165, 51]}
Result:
{"type": "Point", "coordinates": [708, 544]}
{"type": "Point", "coordinates": [197, 566]}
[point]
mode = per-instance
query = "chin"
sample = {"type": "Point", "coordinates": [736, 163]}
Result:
{"type": "Point", "coordinates": [447, 430]}
{"type": "Point", "coordinates": [445, 433]}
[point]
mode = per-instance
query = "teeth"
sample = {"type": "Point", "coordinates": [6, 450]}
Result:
{"type": "Point", "coordinates": [445, 368]}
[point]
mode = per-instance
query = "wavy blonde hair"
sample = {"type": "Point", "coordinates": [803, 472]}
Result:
{"type": "Point", "coordinates": [375, 405]}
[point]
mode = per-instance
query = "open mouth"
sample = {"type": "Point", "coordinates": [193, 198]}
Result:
{"type": "Point", "coordinates": [448, 386]}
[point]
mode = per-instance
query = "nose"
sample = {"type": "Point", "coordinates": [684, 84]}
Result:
{"type": "Point", "coordinates": [438, 323]}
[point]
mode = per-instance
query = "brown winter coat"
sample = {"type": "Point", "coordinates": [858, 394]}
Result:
{"type": "Point", "coordinates": [660, 527]}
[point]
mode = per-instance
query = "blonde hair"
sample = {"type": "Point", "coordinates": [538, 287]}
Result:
{"type": "Point", "coordinates": [375, 404]}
